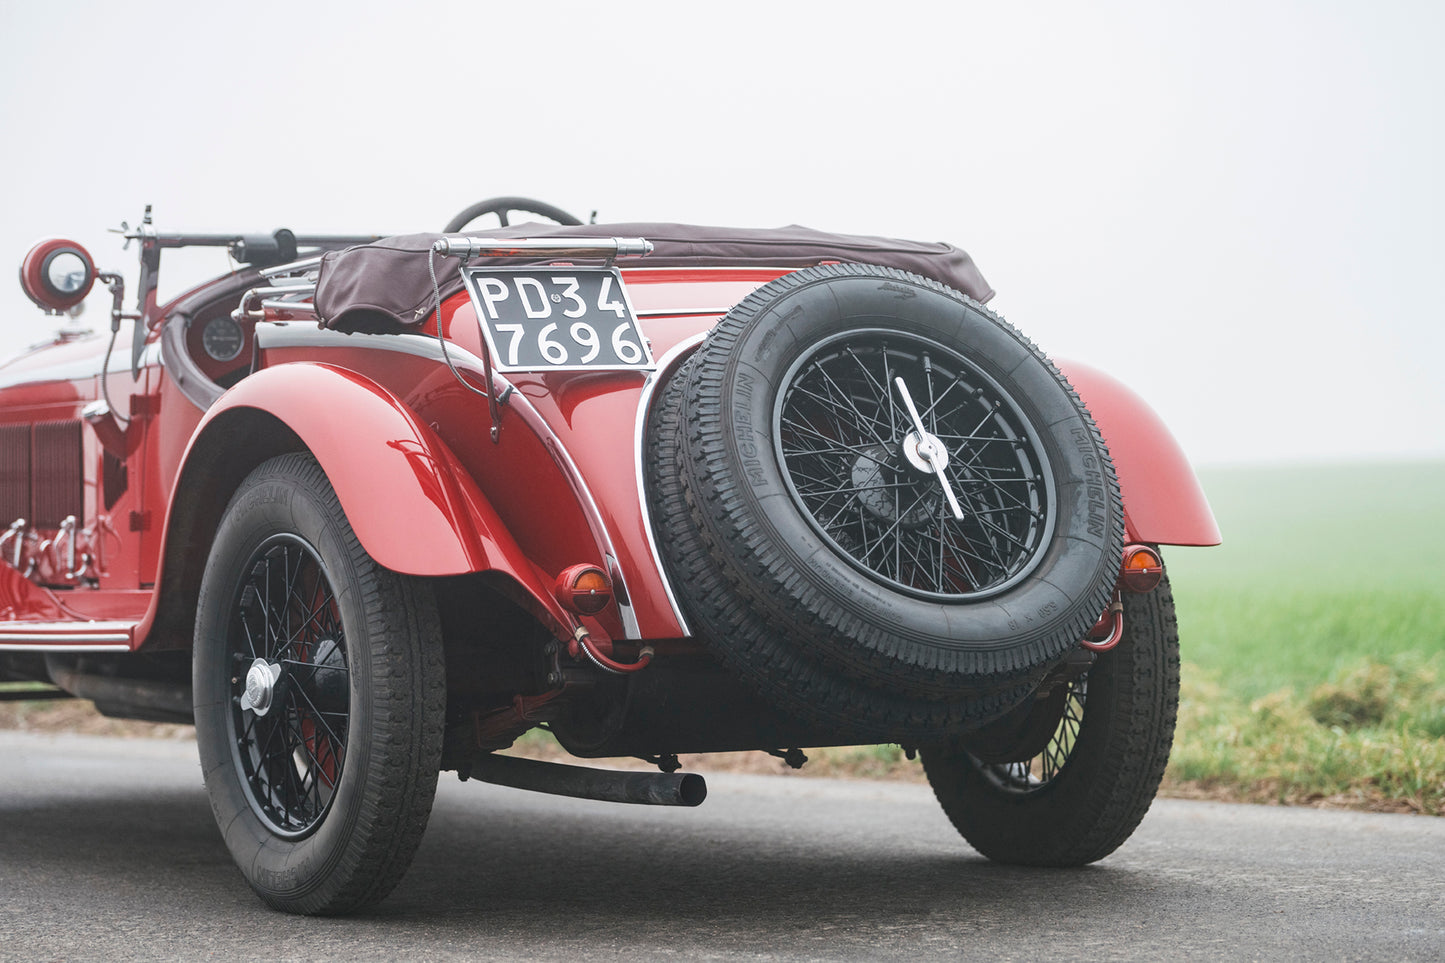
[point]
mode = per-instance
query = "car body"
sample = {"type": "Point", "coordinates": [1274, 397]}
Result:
{"type": "Point", "coordinates": [369, 508]}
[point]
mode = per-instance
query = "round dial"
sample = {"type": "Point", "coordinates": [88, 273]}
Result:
{"type": "Point", "coordinates": [223, 338]}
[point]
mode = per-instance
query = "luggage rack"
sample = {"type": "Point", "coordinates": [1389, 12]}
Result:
{"type": "Point", "coordinates": [291, 286]}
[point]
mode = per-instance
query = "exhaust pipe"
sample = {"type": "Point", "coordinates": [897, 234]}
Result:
{"type": "Point", "coordinates": [149, 699]}
{"type": "Point", "coordinates": [642, 788]}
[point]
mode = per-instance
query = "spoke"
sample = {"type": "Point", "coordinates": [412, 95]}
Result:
{"type": "Point", "coordinates": [250, 639]}
{"type": "Point", "coordinates": [319, 714]}
{"type": "Point", "coordinates": [295, 794]}
{"type": "Point", "coordinates": [846, 407]}
{"type": "Point", "coordinates": [899, 519]}
{"type": "Point", "coordinates": [882, 486]}
{"type": "Point", "coordinates": [842, 446]}
{"type": "Point", "coordinates": [961, 556]}
{"type": "Point", "coordinates": [248, 729]}
{"type": "Point", "coordinates": [976, 439]}
{"type": "Point", "coordinates": [303, 741]}
{"type": "Point", "coordinates": [266, 606]}
{"type": "Point", "coordinates": [984, 522]}
{"type": "Point", "coordinates": [897, 514]}
{"type": "Point", "coordinates": [928, 379]}
{"type": "Point", "coordinates": [836, 515]}
{"type": "Point", "coordinates": [878, 388]}
{"type": "Point", "coordinates": [932, 405]}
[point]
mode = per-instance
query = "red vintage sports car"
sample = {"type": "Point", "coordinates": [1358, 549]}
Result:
{"type": "Point", "coordinates": [370, 508]}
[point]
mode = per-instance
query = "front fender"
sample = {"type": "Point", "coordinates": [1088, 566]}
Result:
{"type": "Point", "coordinates": [413, 507]}
{"type": "Point", "coordinates": [1163, 503]}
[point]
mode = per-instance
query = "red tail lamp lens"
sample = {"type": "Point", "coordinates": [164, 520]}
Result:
{"type": "Point", "coordinates": [1142, 568]}
{"type": "Point", "coordinates": [584, 589]}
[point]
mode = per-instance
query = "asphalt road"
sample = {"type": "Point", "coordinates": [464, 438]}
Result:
{"type": "Point", "coordinates": [107, 851]}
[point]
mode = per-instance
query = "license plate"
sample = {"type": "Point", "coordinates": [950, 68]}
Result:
{"type": "Point", "coordinates": [557, 319]}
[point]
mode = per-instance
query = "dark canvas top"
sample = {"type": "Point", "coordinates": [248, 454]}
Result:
{"type": "Point", "coordinates": [375, 287]}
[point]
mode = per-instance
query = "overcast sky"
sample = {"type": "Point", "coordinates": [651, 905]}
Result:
{"type": "Point", "coordinates": [1235, 207]}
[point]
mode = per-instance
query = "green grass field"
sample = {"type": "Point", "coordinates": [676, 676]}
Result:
{"type": "Point", "coordinates": [1314, 638]}
{"type": "Point", "coordinates": [1320, 566]}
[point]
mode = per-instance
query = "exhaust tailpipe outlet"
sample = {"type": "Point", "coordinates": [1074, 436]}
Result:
{"type": "Point", "coordinates": [639, 788]}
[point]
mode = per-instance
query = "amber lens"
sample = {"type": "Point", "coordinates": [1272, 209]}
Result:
{"type": "Point", "coordinates": [585, 589]}
{"type": "Point", "coordinates": [1143, 568]}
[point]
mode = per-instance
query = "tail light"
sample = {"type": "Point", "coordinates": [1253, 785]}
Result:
{"type": "Point", "coordinates": [583, 589]}
{"type": "Point", "coordinates": [1142, 568]}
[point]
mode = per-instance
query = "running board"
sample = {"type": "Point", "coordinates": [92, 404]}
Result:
{"type": "Point", "coordinates": [642, 788]}
{"type": "Point", "coordinates": [86, 636]}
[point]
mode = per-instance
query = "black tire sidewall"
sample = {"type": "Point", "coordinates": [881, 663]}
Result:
{"type": "Point", "coordinates": [1013, 632]}
{"type": "Point", "coordinates": [1113, 772]}
{"type": "Point", "coordinates": [271, 503]}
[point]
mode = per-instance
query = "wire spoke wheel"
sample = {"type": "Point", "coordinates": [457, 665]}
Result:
{"type": "Point", "coordinates": [1067, 782]}
{"type": "Point", "coordinates": [873, 484]}
{"type": "Point", "coordinates": [880, 504]}
{"type": "Point", "coordinates": [320, 696]}
{"type": "Point", "coordinates": [1037, 773]}
{"type": "Point", "coordinates": [291, 693]}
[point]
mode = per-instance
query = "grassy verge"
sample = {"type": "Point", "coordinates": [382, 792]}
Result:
{"type": "Point", "coordinates": [1371, 737]}
{"type": "Point", "coordinates": [1314, 640]}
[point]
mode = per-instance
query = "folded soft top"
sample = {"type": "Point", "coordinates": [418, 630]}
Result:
{"type": "Point", "coordinates": [379, 286]}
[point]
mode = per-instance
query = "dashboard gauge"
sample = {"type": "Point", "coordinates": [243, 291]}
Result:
{"type": "Point", "coordinates": [223, 339]}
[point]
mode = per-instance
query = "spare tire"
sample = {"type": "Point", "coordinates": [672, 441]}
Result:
{"type": "Point", "coordinates": [818, 496]}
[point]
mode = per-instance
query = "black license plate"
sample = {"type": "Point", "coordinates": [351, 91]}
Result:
{"type": "Point", "coordinates": [557, 319]}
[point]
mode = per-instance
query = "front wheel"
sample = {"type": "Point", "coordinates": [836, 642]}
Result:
{"type": "Point", "coordinates": [1068, 782]}
{"type": "Point", "coordinates": [319, 697]}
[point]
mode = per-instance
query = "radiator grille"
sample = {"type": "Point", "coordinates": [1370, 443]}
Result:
{"type": "Point", "coordinates": [41, 473]}
{"type": "Point", "coordinates": [14, 473]}
{"type": "Point", "coordinates": [58, 486]}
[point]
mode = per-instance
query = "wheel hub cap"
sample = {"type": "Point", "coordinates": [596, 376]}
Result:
{"type": "Point", "coordinates": [925, 452]}
{"type": "Point", "coordinates": [260, 686]}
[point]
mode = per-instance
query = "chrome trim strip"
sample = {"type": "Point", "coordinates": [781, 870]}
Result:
{"type": "Point", "coordinates": [665, 364]}
{"type": "Point", "coordinates": [785, 268]}
{"type": "Point", "coordinates": [278, 304]}
{"type": "Point", "coordinates": [684, 312]}
{"type": "Point", "coordinates": [86, 630]}
{"type": "Point", "coordinates": [462, 245]}
{"type": "Point", "coordinates": [281, 334]}
{"type": "Point", "coordinates": [563, 458]}
{"type": "Point", "coordinates": [293, 267]}
{"type": "Point", "coordinates": [62, 646]}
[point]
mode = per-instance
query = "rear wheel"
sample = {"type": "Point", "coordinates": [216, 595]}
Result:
{"type": "Point", "coordinates": [1066, 783]}
{"type": "Point", "coordinates": [320, 696]}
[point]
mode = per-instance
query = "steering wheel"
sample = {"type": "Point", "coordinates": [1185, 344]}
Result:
{"type": "Point", "coordinates": [502, 206]}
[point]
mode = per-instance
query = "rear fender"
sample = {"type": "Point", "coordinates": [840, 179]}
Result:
{"type": "Point", "coordinates": [415, 509]}
{"type": "Point", "coordinates": [1163, 502]}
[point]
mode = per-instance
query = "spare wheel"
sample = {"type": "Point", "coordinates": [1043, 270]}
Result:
{"type": "Point", "coordinates": [890, 486]}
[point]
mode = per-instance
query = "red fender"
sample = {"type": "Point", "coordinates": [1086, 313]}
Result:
{"type": "Point", "coordinates": [1163, 503]}
{"type": "Point", "coordinates": [413, 506]}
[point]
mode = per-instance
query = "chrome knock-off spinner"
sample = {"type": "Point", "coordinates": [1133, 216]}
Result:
{"type": "Point", "coordinates": [925, 452]}
{"type": "Point", "coordinates": [261, 682]}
